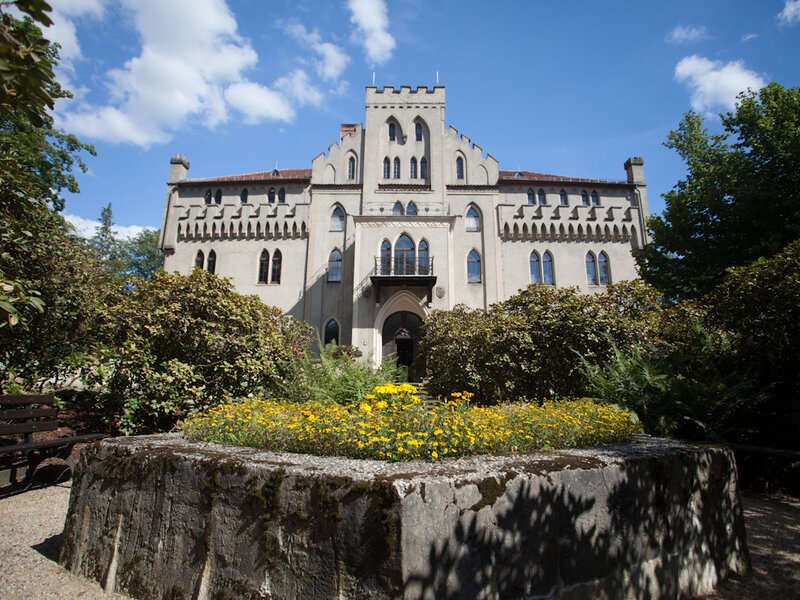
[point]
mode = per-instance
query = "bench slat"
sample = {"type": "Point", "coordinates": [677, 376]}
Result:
{"type": "Point", "coordinates": [27, 413]}
{"type": "Point", "coordinates": [55, 443]}
{"type": "Point", "coordinates": [28, 427]}
{"type": "Point", "coordinates": [27, 399]}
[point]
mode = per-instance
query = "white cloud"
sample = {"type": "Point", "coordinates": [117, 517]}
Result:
{"type": "Point", "coordinates": [683, 35]}
{"type": "Point", "coordinates": [333, 60]}
{"type": "Point", "coordinates": [86, 228]}
{"type": "Point", "coordinates": [372, 19]}
{"type": "Point", "coordinates": [258, 103]}
{"type": "Point", "coordinates": [297, 85]}
{"type": "Point", "coordinates": [749, 36]}
{"type": "Point", "coordinates": [790, 13]}
{"type": "Point", "coordinates": [714, 83]}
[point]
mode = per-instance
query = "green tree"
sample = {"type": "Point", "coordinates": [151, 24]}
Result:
{"type": "Point", "coordinates": [141, 255]}
{"type": "Point", "coordinates": [740, 199]}
{"type": "Point", "coordinates": [104, 243]}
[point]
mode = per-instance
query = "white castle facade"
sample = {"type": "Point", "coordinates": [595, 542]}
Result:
{"type": "Point", "coordinates": [401, 216]}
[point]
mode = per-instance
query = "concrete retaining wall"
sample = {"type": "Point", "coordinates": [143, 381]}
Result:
{"type": "Point", "coordinates": [160, 518]}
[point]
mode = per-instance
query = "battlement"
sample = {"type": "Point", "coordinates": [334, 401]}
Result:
{"type": "Point", "coordinates": [420, 95]}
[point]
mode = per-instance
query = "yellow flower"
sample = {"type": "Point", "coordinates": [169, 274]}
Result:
{"type": "Point", "coordinates": [370, 396]}
{"type": "Point", "coordinates": [365, 407]}
{"type": "Point", "coordinates": [434, 454]}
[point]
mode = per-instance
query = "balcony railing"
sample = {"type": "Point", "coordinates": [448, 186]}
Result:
{"type": "Point", "coordinates": [388, 266]}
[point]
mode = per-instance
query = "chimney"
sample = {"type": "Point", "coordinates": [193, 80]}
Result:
{"type": "Point", "coordinates": [178, 167]}
{"type": "Point", "coordinates": [348, 129]}
{"type": "Point", "coordinates": [634, 169]}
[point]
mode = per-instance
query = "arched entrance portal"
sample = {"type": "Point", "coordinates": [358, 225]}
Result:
{"type": "Point", "coordinates": [400, 336]}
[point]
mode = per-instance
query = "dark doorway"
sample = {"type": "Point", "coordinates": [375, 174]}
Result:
{"type": "Point", "coordinates": [401, 334]}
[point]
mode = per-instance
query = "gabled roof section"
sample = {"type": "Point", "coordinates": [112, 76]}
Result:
{"type": "Point", "coordinates": [508, 177]}
{"type": "Point", "coordinates": [259, 177]}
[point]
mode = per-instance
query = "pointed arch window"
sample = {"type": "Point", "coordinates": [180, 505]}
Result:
{"type": "Point", "coordinates": [335, 266]}
{"type": "Point", "coordinates": [591, 269]}
{"type": "Point", "coordinates": [397, 209]}
{"type": "Point", "coordinates": [331, 332]}
{"type": "Point", "coordinates": [418, 131]}
{"type": "Point", "coordinates": [602, 269]}
{"type": "Point", "coordinates": [423, 168]}
{"type": "Point", "coordinates": [595, 199]}
{"type": "Point", "coordinates": [199, 259]}
{"type": "Point", "coordinates": [404, 256]}
{"type": "Point", "coordinates": [542, 197]}
{"type": "Point", "coordinates": [386, 258]}
{"type": "Point", "coordinates": [584, 198]}
{"type": "Point", "coordinates": [473, 220]}
{"type": "Point", "coordinates": [413, 169]}
{"type": "Point", "coordinates": [392, 132]}
{"type": "Point", "coordinates": [474, 267]}
{"type": "Point", "coordinates": [396, 168]}
{"type": "Point", "coordinates": [337, 219]}
{"type": "Point", "coordinates": [281, 195]}
{"type": "Point", "coordinates": [459, 168]}
{"type": "Point", "coordinates": [547, 269]}
{"type": "Point", "coordinates": [351, 168]}
{"type": "Point", "coordinates": [271, 195]}
{"type": "Point", "coordinates": [218, 197]}
{"type": "Point", "coordinates": [277, 261]}
{"type": "Point", "coordinates": [411, 209]}
{"type": "Point", "coordinates": [423, 258]}
{"type": "Point", "coordinates": [207, 196]}
{"type": "Point", "coordinates": [536, 268]}
{"type": "Point", "coordinates": [211, 265]}
{"type": "Point", "coordinates": [263, 267]}
{"type": "Point", "coordinates": [531, 197]}
{"type": "Point", "coordinates": [563, 198]}
{"type": "Point", "coordinates": [243, 196]}
{"type": "Point", "coordinates": [386, 168]}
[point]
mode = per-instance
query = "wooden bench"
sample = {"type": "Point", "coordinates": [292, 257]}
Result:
{"type": "Point", "coordinates": [24, 416]}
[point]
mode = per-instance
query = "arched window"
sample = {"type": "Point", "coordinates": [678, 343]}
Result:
{"type": "Point", "coordinates": [418, 131]}
{"type": "Point", "coordinates": [423, 168]}
{"type": "Point", "coordinates": [404, 256]}
{"type": "Point", "coordinates": [547, 269]}
{"type": "Point", "coordinates": [602, 269]}
{"type": "Point", "coordinates": [584, 198]}
{"type": "Point", "coordinates": [263, 267]}
{"type": "Point", "coordinates": [474, 267]}
{"type": "Point", "coordinates": [531, 197]}
{"type": "Point", "coordinates": [459, 168]}
{"type": "Point", "coordinates": [563, 196]}
{"type": "Point", "coordinates": [277, 260]}
{"type": "Point", "coordinates": [243, 196]}
{"type": "Point", "coordinates": [386, 168]}
{"type": "Point", "coordinates": [591, 269]}
{"type": "Point", "coordinates": [351, 168]}
{"type": "Point", "coordinates": [411, 209]}
{"type": "Point", "coordinates": [331, 333]}
{"type": "Point", "coordinates": [397, 210]}
{"type": "Point", "coordinates": [542, 197]}
{"type": "Point", "coordinates": [211, 265]}
{"type": "Point", "coordinates": [271, 195]}
{"type": "Point", "coordinates": [281, 196]}
{"type": "Point", "coordinates": [396, 168]}
{"type": "Point", "coordinates": [218, 196]}
{"type": "Point", "coordinates": [337, 219]}
{"type": "Point", "coordinates": [207, 197]}
{"type": "Point", "coordinates": [536, 268]}
{"type": "Point", "coordinates": [386, 258]}
{"type": "Point", "coordinates": [413, 169]}
{"type": "Point", "coordinates": [473, 220]}
{"type": "Point", "coordinates": [199, 259]}
{"type": "Point", "coordinates": [392, 133]}
{"type": "Point", "coordinates": [422, 258]}
{"type": "Point", "coordinates": [595, 199]}
{"type": "Point", "coordinates": [335, 266]}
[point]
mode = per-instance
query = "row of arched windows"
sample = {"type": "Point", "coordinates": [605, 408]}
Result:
{"type": "Point", "coordinates": [597, 270]}
{"type": "Point", "coordinates": [264, 273]}
{"type": "Point", "coordinates": [542, 197]}
{"type": "Point", "coordinates": [410, 211]}
{"type": "Point", "coordinates": [216, 198]}
{"type": "Point", "coordinates": [201, 262]}
{"type": "Point", "coordinates": [391, 169]}
{"type": "Point", "coordinates": [393, 132]}
{"type": "Point", "coordinates": [408, 258]}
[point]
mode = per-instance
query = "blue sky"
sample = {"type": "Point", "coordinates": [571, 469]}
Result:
{"type": "Point", "coordinates": [240, 85]}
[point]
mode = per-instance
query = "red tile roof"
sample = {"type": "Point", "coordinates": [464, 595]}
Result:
{"type": "Point", "coordinates": [532, 176]}
{"type": "Point", "coordinates": [283, 174]}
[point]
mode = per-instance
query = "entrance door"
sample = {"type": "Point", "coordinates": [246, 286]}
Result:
{"type": "Point", "coordinates": [401, 334]}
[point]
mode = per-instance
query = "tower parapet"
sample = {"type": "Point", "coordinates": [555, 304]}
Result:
{"type": "Point", "coordinates": [405, 95]}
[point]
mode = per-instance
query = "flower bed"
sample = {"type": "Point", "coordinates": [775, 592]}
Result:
{"type": "Point", "coordinates": [393, 424]}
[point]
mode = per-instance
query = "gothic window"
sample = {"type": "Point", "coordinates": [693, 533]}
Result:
{"type": "Point", "coordinates": [602, 269]}
{"type": "Point", "coordinates": [271, 195]}
{"type": "Point", "coordinates": [473, 220]}
{"type": "Point", "coordinates": [591, 269]}
{"type": "Point", "coordinates": [584, 198]}
{"type": "Point", "coordinates": [277, 260]}
{"type": "Point", "coordinates": [211, 265]}
{"type": "Point", "coordinates": [459, 168]}
{"type": "Point", "coordinates": [536, 268]}
{"type": "Point", "coordinates": [199, 259]}
{"type": "Point", "coordinates": [337, 219]}
{"type": "Point", "coordinates": [397, 210]}
{"type": "Point", "coordinates": [474, 267]}
{"type": "Point", "coordinates": [404, 256]}
{"type": "Point", "coordinates": [335, 266]}
{"type": "Point", "coordinates": [281, 195]}
{"type": "Point", "coordinates": [563, 196]}
{"type": "Point", "coordinates": [243, 196]}
{"type": "Point", "coordinates": [413, 169]}
{"type": "Point", "coordinates": [218, 197]}
{"type": "Point", "coordinates": [423, 258]}
{"type": "Point", "coordinates": [207, 197]}
{"type": "Point", "coordinates": [263, 267]}
{"type": "Point", "coordinates": [595, 199]}
{"type": "Point", "coordinates": [391, 132]}
{"type": "Point", "coordinates": [396, 168]}
{"type": "Point", "coordinates": [547, 269]}
{"type": "Point", "coordinates": [531, 198]}
{"type": "Point", "coordinates": [386, 258]}
{"type": "Point", "coordinates": [423, 168]}
{"type": "Point", "coordinates": [331, 333]}
{"type": "Point", "coordinates": [542, 197]}
{"type": "Point", "coordinates": [418, 131]}
{"type": "Point", "coordinates": [386, 168]}
{"type": "Point", "coordinates": [351, 168]}
{"type": "Point", "coordinates": [411, 209]}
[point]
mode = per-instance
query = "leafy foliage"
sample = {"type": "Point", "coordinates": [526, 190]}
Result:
{"type": "Point", "coordinates": [739, 200]}
{"type": "Point", "coordinates": [141, 255]}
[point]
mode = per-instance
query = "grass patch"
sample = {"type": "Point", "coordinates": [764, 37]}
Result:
{"type": "Point", "coordinates": [393, 424]}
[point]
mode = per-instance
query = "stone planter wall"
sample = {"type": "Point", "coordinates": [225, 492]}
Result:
{"type": "Point", "coordinates": [157, 517]}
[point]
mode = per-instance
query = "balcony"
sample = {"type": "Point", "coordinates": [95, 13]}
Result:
{"type": "Point", "coordinates": [403, 272]}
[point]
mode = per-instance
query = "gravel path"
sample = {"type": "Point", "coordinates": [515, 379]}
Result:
{"type": "Point", "coordinates": [31, 525]}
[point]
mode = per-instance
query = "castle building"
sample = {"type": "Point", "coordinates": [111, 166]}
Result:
{"type": "Point", "coordinates": [401, 216]}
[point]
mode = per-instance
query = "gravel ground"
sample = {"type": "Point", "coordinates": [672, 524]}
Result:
{"type": "Point", "coordinates": [31, 525]}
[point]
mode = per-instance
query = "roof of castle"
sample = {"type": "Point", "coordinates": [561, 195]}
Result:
{"type": "Point", "coordinates": [258, 177]}
{"type": "Point", "coordinates": [516, 176]}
